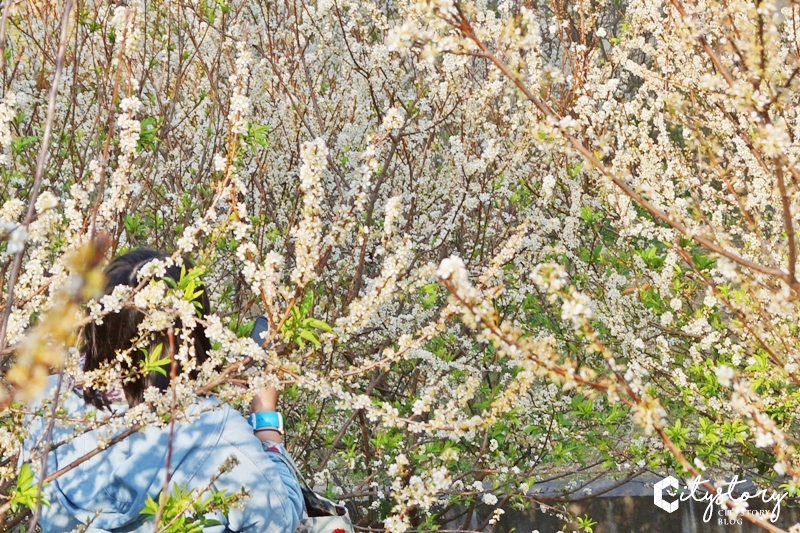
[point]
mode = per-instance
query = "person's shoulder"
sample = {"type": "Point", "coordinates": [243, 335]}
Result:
{"type": "Point", "coordinates": [41, 408]}
{"type": "Point", "coordinates": [217, 417]}
{"type": "Point", "coordinates": [68, 398]}
{"type": "Point", "coordinates": [236, 429]}
{"type": "Point", "coordinates": [50, 385]}
{"type": "Point", "coordinates": [235, 422]}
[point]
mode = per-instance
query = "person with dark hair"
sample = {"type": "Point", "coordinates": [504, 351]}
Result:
{"type": "Point", "coordinates": [216, 449]}
{"type": "Point", "coordinates": [118, 330]}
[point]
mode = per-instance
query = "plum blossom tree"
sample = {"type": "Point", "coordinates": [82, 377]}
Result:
{"type": "Point", "coordinates": [496, 241]}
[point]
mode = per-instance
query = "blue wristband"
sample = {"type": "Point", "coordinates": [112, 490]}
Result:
{"type": "Point", "coordinates": [266, 420]}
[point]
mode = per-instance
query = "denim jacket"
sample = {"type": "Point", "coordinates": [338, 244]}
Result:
{"type": "Point", "coordinates": [109, 490]}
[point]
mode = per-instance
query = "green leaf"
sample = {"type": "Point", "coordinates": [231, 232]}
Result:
{"type": "Point", "coordinates": [586, 523]}
{"type": "Point", "coordinates": [318, 324]}
{"type": "Point", "coordinates": [19, 144]}
{"type": "Point", "coordinates": [147, 133]}
{"type": "Point", "coordinates": [704, 262]}
{"type": "Point", "coordinates": [308, 303]}
{"type": "Point", "coordinates": [574, 170]}
{"type": "Point", "coordinates": [257, 135]}
{"type": "Point", "coordinates": [152, 362]}
{"type": "Point", "coordinates": [27, 489]}
{"type": "Point", "coordinates": [309, 336]}
{"type": "Point", "coordinates": [150, 507]}
{"type": "Point", "coordinates": [651, 258]}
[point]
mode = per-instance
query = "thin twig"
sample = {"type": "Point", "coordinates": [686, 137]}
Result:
{"type": "Point", "coordinates": [48, 438]}
{"type": "Point", "coordinates": [787, 221]}
{"type": "Point", "coordinates": [173, 374]}
{"type": "Point", "coordinates": [39, 174]}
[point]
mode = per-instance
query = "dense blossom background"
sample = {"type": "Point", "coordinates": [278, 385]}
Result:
{"type": "Point", "coordinates": [497, 242]}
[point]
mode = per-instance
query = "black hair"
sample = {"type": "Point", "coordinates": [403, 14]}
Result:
{"type": "Point", "coordinates": [119, 330]}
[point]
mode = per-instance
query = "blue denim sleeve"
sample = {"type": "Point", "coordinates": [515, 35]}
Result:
{"type": "Point", "coordinates": [286, 470]}
{"type": "Point", "coordinates": [274, 501]}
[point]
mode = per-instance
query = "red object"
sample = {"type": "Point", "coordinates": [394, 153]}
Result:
{"type": "Point", "coordinates": [338, 530]}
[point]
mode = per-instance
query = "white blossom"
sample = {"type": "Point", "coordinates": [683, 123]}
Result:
{"type": "Point", "coordinates": [489, 498]}
{"type": "Point", "coordinates": [725, 375]}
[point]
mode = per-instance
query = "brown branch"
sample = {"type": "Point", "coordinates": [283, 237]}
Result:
{"type": "Point", "coordinates": [80, 460]}
{"type": "Point", "coordinates": [465, 27]}
{"type": "Point", "coordinates": [48, 438]}
{"type": "Point", "coordinates": [787, 221]}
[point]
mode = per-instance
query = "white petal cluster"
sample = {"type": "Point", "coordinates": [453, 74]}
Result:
{"type": "Point", "coordinates": [239, 102]}
{"type": "Point", "coordinates": [6, 116]}
{"type": "Point", "coordinates": [392, 214]}
{"type": "Point", "coordinates": [308, 233]}
{"type": "Point", "coordinates": [392, 120]}
{"type": "Point", "coordinates": [725, 375]}
{"type": "Point", "coordinates": [650, 415]}
{"type": "Point", "coordinates": [119, 187]}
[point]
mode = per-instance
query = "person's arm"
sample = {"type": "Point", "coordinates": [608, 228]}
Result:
{"type": "Point", "coordinates": [274, 501]}
{"type": "Point", "coordinates": [266, 400]}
